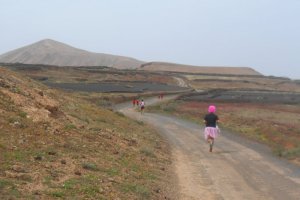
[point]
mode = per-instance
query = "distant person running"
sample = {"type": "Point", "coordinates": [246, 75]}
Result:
{"type": "Point", "coordinates": [160, 96]}
{"type": "Point", "coordinates": [142, 104]}
{"type": "Point", "coordinates": [133, 102]}
{"type": "Point", "coordinates": [211, 129]}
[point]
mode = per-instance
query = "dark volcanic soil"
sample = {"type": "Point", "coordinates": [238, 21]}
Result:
{"type": "Point", "coordinates": [135, 87]}
{"type": "Point", "coordinates": [245, 96]}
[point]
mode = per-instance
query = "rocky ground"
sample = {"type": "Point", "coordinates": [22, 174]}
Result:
{"type": "Point", "coordinates": [56, 145]}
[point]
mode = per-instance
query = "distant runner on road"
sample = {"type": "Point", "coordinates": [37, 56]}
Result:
{"type": "Point", "coordinates": [211, 129]}
{"type": "Point", "coordinates": [142, 104]}
{"type": "Point", "coordinates": [161, 96]}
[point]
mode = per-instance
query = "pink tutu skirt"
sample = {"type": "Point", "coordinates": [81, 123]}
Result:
{"type": "Point", "coordinates": [211, 132]}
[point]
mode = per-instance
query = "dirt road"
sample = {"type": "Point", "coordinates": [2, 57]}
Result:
{"type": "Point", "coordinates": [236, 169]}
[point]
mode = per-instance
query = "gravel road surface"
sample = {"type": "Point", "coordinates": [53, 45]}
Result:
{"type": "Point", "coordinates": [237, 168]}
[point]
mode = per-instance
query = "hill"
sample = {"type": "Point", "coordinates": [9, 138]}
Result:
{"type": "Point", "coordinates": [50, 52]}
{"type": "Point", "coordinates": [172, 67]}
{"type": "Point", "coordinates": [56, 145]}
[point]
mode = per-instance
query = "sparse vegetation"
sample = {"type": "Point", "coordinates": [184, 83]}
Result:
{"type": "Point", "coordinates": [147, 152]}
{"type": "Point", "coordinates": [140, 190]}
{"type": "Point", "coordinates": [69, 127]}
{"type": "Point", "coordinates": [90, 166]}
{"type": "Point", "coordinates": [58, 146]}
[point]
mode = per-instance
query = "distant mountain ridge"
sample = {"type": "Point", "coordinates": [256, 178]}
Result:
{"type": "Point", "coordinates": [51, 52]}
{"type": "Point", "coordinates": [173, 67]}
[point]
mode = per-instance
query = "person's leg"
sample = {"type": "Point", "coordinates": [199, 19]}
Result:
{"type": "Point", "coordinates": [211, 143]}
{"type": "Point", "coordinates": [142, 110]}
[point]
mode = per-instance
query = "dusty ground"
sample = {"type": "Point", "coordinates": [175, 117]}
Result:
{"type": "Point", "coordinates": [237, 168]}
{"type": "Point", "coordinates": [273, 124]}
{"type": "Point", "coordinates": [55, 145]}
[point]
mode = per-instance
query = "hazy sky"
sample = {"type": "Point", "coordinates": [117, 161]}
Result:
{"type": "Point", "coordinates": [262, 34]}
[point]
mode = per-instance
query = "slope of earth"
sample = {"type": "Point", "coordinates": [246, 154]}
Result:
{"type": "Point", "coordinates": [172, 67]}
{"type": "Point", "coordinates": [54, 145]}
{"type": "Point", "coordinates": [51, 52]}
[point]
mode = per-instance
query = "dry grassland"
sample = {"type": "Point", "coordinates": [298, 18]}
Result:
{"type": "Point", "coordinates": [56, 145]}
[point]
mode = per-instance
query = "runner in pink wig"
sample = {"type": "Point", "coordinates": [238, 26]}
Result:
{"type": "Point", "coordinates": [211, 129]}
{"type": "Point", "coordinates": [212, 109]}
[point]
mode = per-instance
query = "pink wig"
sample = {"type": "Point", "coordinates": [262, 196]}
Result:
{"type": "Point", "coordinates": [212, 109]}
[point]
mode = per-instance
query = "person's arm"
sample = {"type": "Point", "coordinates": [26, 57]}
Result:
{"type": "Point", "coordinates": [205, 120]}
{"type": "Point", "coordinates": [217, 122]}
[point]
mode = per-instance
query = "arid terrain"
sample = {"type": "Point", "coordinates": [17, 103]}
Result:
{"type": "Point", "coordinates": [172, 67]}
{"type": "Point", "coordinates": [57, 145]}
{"type": "Point", "coordinates": [260, 107]}
{"type": "Point", "coordinates": [271, 118]}
{"type": "Point", "coordinates": [54, 140]}
{"type": "Point", "coordinates": [51, 52]}
{"type": "Point", "coordinates": [236, 169]}
{"type": "Point", "coordinates": [204, 82]}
